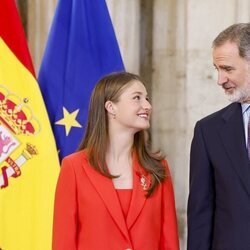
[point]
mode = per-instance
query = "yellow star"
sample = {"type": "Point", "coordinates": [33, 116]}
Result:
{"type": "Point", "coordinates": [69, 120]}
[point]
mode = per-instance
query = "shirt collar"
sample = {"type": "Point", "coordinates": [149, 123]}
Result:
{"type": "Point", "coordinates": [244, 107]}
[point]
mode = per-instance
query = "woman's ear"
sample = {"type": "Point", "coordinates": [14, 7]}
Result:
{"type": "Point", "coordinates": [109, 107]}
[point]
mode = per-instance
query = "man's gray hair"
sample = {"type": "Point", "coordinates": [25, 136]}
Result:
{"type": "Point", "coordinates": [237, 33]}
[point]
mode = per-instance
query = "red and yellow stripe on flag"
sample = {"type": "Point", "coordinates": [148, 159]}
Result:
{"type": "Point", "coordinates": [28, 158]}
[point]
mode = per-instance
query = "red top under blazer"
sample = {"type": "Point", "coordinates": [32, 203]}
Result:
{"type": "Point", "coordinates": [88, 215]}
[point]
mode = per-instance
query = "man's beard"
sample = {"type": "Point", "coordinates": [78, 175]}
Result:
{"type": "Point", "coordinates": [240, 94]}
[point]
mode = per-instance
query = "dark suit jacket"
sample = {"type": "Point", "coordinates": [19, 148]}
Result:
{"type": "Point", "coordinates": [88, 215]}
{"type": "Point", "coordinates": [219, 199]}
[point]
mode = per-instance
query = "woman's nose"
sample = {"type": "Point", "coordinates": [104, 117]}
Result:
{"type": "Point", "coordinates": [147, 106]}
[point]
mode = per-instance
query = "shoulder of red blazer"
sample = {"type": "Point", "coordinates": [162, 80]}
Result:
{"type": "Point", "coordinates": [79, 156]}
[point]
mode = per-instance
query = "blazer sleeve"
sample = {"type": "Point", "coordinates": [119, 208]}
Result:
{"type": "Point", "coordinates": [65, 211]}
{"type": "Point", "coordinates": [201, 194]}
{"type": "Point", "coordinates": [169, 236]}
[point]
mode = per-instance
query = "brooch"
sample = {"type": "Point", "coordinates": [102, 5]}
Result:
{"type": "Point", "coordinates": [143, 182]}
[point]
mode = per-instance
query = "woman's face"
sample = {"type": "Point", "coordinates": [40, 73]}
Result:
{"type": "Point", "coordinates": [132, 111]}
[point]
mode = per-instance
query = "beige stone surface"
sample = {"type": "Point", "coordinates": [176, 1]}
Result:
{"type": "Point", "coordinates": [40, 15]}
{"type": "Point", "coordinates": [125, 16]}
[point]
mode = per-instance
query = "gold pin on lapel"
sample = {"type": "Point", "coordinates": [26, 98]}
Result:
{"type": "Point", "coordinates": [143, 181]}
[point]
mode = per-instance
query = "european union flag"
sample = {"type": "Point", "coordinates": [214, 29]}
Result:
{"type": "Point", "coordinates": [81, 48]}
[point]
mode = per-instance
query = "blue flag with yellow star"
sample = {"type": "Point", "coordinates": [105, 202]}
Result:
{"type": "Point", "coordinates": [81, 48]}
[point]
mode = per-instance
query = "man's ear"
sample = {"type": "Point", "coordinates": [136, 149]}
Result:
{"type": "Point", "coordinates": [109, 106]}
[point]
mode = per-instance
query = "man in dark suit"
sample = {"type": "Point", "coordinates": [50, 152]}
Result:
{"type": "Point", "coordinates": [219, 199]}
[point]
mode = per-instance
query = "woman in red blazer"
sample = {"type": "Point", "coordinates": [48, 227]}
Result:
{"type": "Point", "coordinates": [114, 193]}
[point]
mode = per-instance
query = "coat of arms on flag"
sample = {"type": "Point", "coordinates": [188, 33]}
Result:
{"type": "Point", "coordinates": [16, 120]}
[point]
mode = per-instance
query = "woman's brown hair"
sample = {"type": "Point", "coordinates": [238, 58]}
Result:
{"type": "Point", "coordinates": [96, 138]}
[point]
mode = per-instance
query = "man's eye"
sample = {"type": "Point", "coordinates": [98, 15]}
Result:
{"type": "Point", "coordinates": [227, 69]}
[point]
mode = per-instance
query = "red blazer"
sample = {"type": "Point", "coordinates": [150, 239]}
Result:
{"type": "Point", "coordinates": [88, 215]}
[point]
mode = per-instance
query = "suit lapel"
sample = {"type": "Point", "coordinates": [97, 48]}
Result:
{"type": "Point", "coordinates": [138, 196]}
{"type": "Point", "coordinates": [233, 137]}
{"type": "Point", "coordinates": [105, 188]}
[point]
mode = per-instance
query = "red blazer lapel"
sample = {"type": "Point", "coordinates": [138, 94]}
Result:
{"type": "Point", "coordinates": [138, 196]}
{"type": "Point", "coordinates": [104, 186]}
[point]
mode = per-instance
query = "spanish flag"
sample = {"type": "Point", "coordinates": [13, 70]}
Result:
{"type": "Point", "coordinates": [29, 163]}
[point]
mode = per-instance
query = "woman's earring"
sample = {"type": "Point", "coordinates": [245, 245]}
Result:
{"type": "Point", "coordinates": [114, 116]}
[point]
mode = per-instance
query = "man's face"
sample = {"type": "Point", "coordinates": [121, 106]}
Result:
{"type": "Point", "coordinates": [233, 72]}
